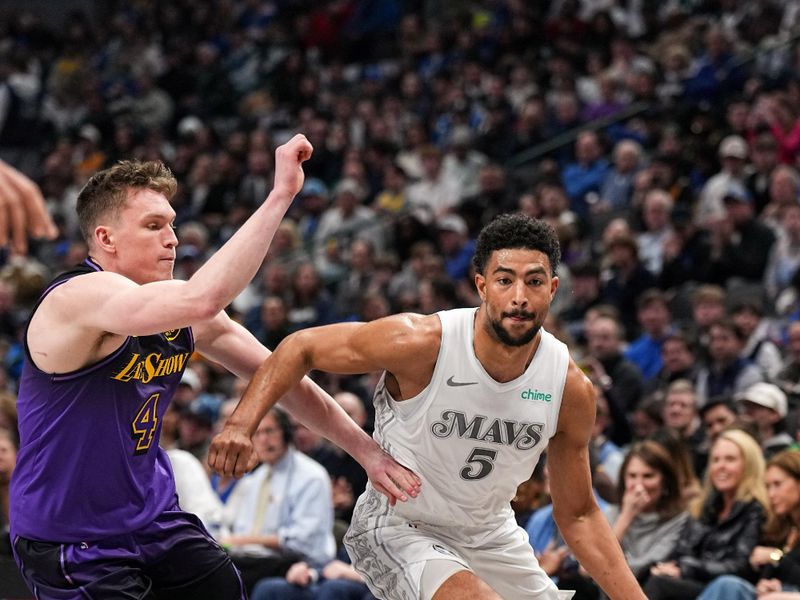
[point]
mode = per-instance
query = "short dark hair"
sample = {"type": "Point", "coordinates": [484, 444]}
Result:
{"type": "Point", "coordinates": [107, 190]}
{"type": "Point", "coordinates": [516, 231]}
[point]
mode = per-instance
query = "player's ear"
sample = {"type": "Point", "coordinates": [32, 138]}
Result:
{"type": "Point", "coordinates": [480, 285]}
{"type": "Point", "coordinates": [553, 286]}
{"type": "Point", "coordinates": [104, 238]}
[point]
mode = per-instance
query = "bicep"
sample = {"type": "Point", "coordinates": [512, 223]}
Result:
{"type": "Point", "coordinates": [568, 454]}
{"type": "Point", "coordinates": [392, 343]}
{"type": "Point", "coordinates": [112, 303]}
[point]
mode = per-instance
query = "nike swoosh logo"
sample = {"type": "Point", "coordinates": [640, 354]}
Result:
{"type": "Point", "coordinates": [452, 383]}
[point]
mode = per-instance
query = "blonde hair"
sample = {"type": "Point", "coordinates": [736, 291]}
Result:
{"type": "Point", "coordinates": [751, 487]}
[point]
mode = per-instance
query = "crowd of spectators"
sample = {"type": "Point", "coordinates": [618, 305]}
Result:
{"type": "Point", "coordinates": [660, 139]}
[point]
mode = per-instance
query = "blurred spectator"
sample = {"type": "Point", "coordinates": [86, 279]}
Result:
{"type": "Point", "coordinates": [725, 522]}
{"type": "Point", "coordinates": [584, 178]}
{"type": "Point", "coordinates": [784, 257]}
{"type": "Point", "coordinates": [718, 414]}
{"type": "Point", "coordinates": [656, 212]}
{"type": "Point", "coordinates": [625, 279]}
{"type": "Point", "coordinates": [733, 154]}
{"type": "Point", "coordinates": [281, 512]}
{"type": "Point", "coordinates": [681, 415]}
{"type": "Point", "coordinates": [748, 315]}
{"type": "Point", "coordinates": [776, 562]}
{"type": "Point", "coordinates": [764, 404]}
{"type": "Point", "coordinates": [654, 319]}
{"type": "Point", "coordinates": [651, 512]}
{"type": "Point", "coordinates": [679, 362]}
{"type": "Point", "coordinates": [336, 580]}
{"type": "Point", "coordinates": [726, 373]}
{"type": "Point", "coordinates": [456, 246]}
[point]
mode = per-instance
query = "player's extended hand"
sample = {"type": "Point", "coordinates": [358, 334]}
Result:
{"type": "Point", "coordinates": [231, 453]}
{"type": "Point", "coordinates": [289, 159]}
{"type": "Point", "coordinates": [22, 210]}
{"type": "Point", "coordinates": [389, 477]}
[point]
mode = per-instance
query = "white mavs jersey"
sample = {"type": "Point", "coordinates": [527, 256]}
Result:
{"type": "Point", "coordinates": [471, 439]}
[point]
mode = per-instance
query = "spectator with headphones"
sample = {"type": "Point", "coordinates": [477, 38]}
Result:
{"type": "Point", "coordinates": [282, 511]}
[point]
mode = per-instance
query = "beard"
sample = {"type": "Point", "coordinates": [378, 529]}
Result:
{"type": "Point", "coordinates": [507, 338]}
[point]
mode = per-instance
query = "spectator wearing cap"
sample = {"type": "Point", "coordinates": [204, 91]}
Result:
{"type": "Point", "coordinates": [748, 314]}
{"type": "Point", "coordinates": [740, 244]}
{"type": "Point", "coordinates": [654, 318]}
{"type": "Point", "coordinates": [455, 245]}
{"type": "Point", "coordinates": [717, 415]}
{"type": "Point", "coordinates": [726, 372]}
{"type": "Point", "coordinates": [765, 405]}
{"type": "Point", "coordinates": [733, 154]}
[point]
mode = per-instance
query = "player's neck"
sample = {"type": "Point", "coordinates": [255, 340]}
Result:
{"type": "Point", "coordinates": [501, 361]}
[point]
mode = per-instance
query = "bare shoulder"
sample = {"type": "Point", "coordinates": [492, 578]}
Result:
{"type": "Point", "coordinates": [81, 295]}
{"type": "Point", "coordinates": [408, 332]}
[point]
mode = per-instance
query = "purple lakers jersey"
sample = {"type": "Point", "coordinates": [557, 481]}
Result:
{"type": "Point", "coordinates": [89, 464]}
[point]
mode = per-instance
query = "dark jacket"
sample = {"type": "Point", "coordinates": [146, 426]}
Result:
{"type": "Point", "coordinates": [708, 548]}
{"type": "Point", "coordinates": [788, 568]}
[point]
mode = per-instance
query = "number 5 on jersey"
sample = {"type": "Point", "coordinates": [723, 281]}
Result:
{"type": "Point", "coordinates": [481, 463]}
{"type": "Point", "coordinates": [143, 427]}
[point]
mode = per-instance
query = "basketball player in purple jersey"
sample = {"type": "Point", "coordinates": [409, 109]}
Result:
{"type": "Point", "coordinates": [93, 503]}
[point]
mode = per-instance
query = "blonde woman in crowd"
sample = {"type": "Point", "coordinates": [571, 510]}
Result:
{"type": "Point", "coordinates": [777, 562]}
{"type": "Point", "coordinates": [725, 523]}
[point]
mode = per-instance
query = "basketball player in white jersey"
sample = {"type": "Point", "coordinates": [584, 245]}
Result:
{"type": "Point", "coordinates": [469, 400]}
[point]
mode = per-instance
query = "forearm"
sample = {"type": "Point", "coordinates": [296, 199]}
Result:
{"type": "Point", "coordinates": [234, 265]}
{"type": "Point", "coordinates": [594, 545]}
{"type": "Point", "coordinates": [318, 411]}
{"type": "Point", "coordinates": [273, 379]}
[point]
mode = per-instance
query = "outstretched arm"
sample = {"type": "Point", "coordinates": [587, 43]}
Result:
{"type": "Point", "coordinates": [231, 345]}
{"type": "Point", "coordinates": [125, 308]}
{"type": "Point", "coordinates": [584, 527]}
{"type": "Point", "coordinates": [22, 210]}
{"type": "Point", "coordinates": [405, 345]}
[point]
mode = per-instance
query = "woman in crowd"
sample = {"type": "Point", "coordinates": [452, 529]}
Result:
{"type": "Point", "coordinates": [725, 523]}
{"type": "Point", "coordinates": [652, 513]}
{"type": "Point", "coordinates": [778, 561]}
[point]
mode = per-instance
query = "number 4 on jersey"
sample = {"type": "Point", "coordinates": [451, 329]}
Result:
{"type": "Point", "coordinates": [143, 427]}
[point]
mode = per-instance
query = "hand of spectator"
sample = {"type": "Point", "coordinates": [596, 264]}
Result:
{"type": "Point", "coordinates": [22, 210]}
{"type": "Point", "coordinates": [388, 476]}
{"type": "Point", "coordinates": [553, 558]}
{"type": "Point", "coordinates": [289, 159]}
{"type": "Point", "coordinates": [343, 497]}
{"type": "Point", "coordinates": [300, 573]}
{"type": "Point", "coordinates": [635, 499]}
{"type": "Point", "coordinates": [231, 453]}
{"type": "Point", "coordinates": [666, 569]}
{"type": "Point", "coordinates": [760, 556]}
{"type": "Point", "coordinates": [767, 586]}
{"type": "Point", "coordinates": [337, 569]}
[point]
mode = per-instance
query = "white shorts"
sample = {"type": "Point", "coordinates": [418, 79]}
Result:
{"type": "Point", "coordinates": [391, 553]}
